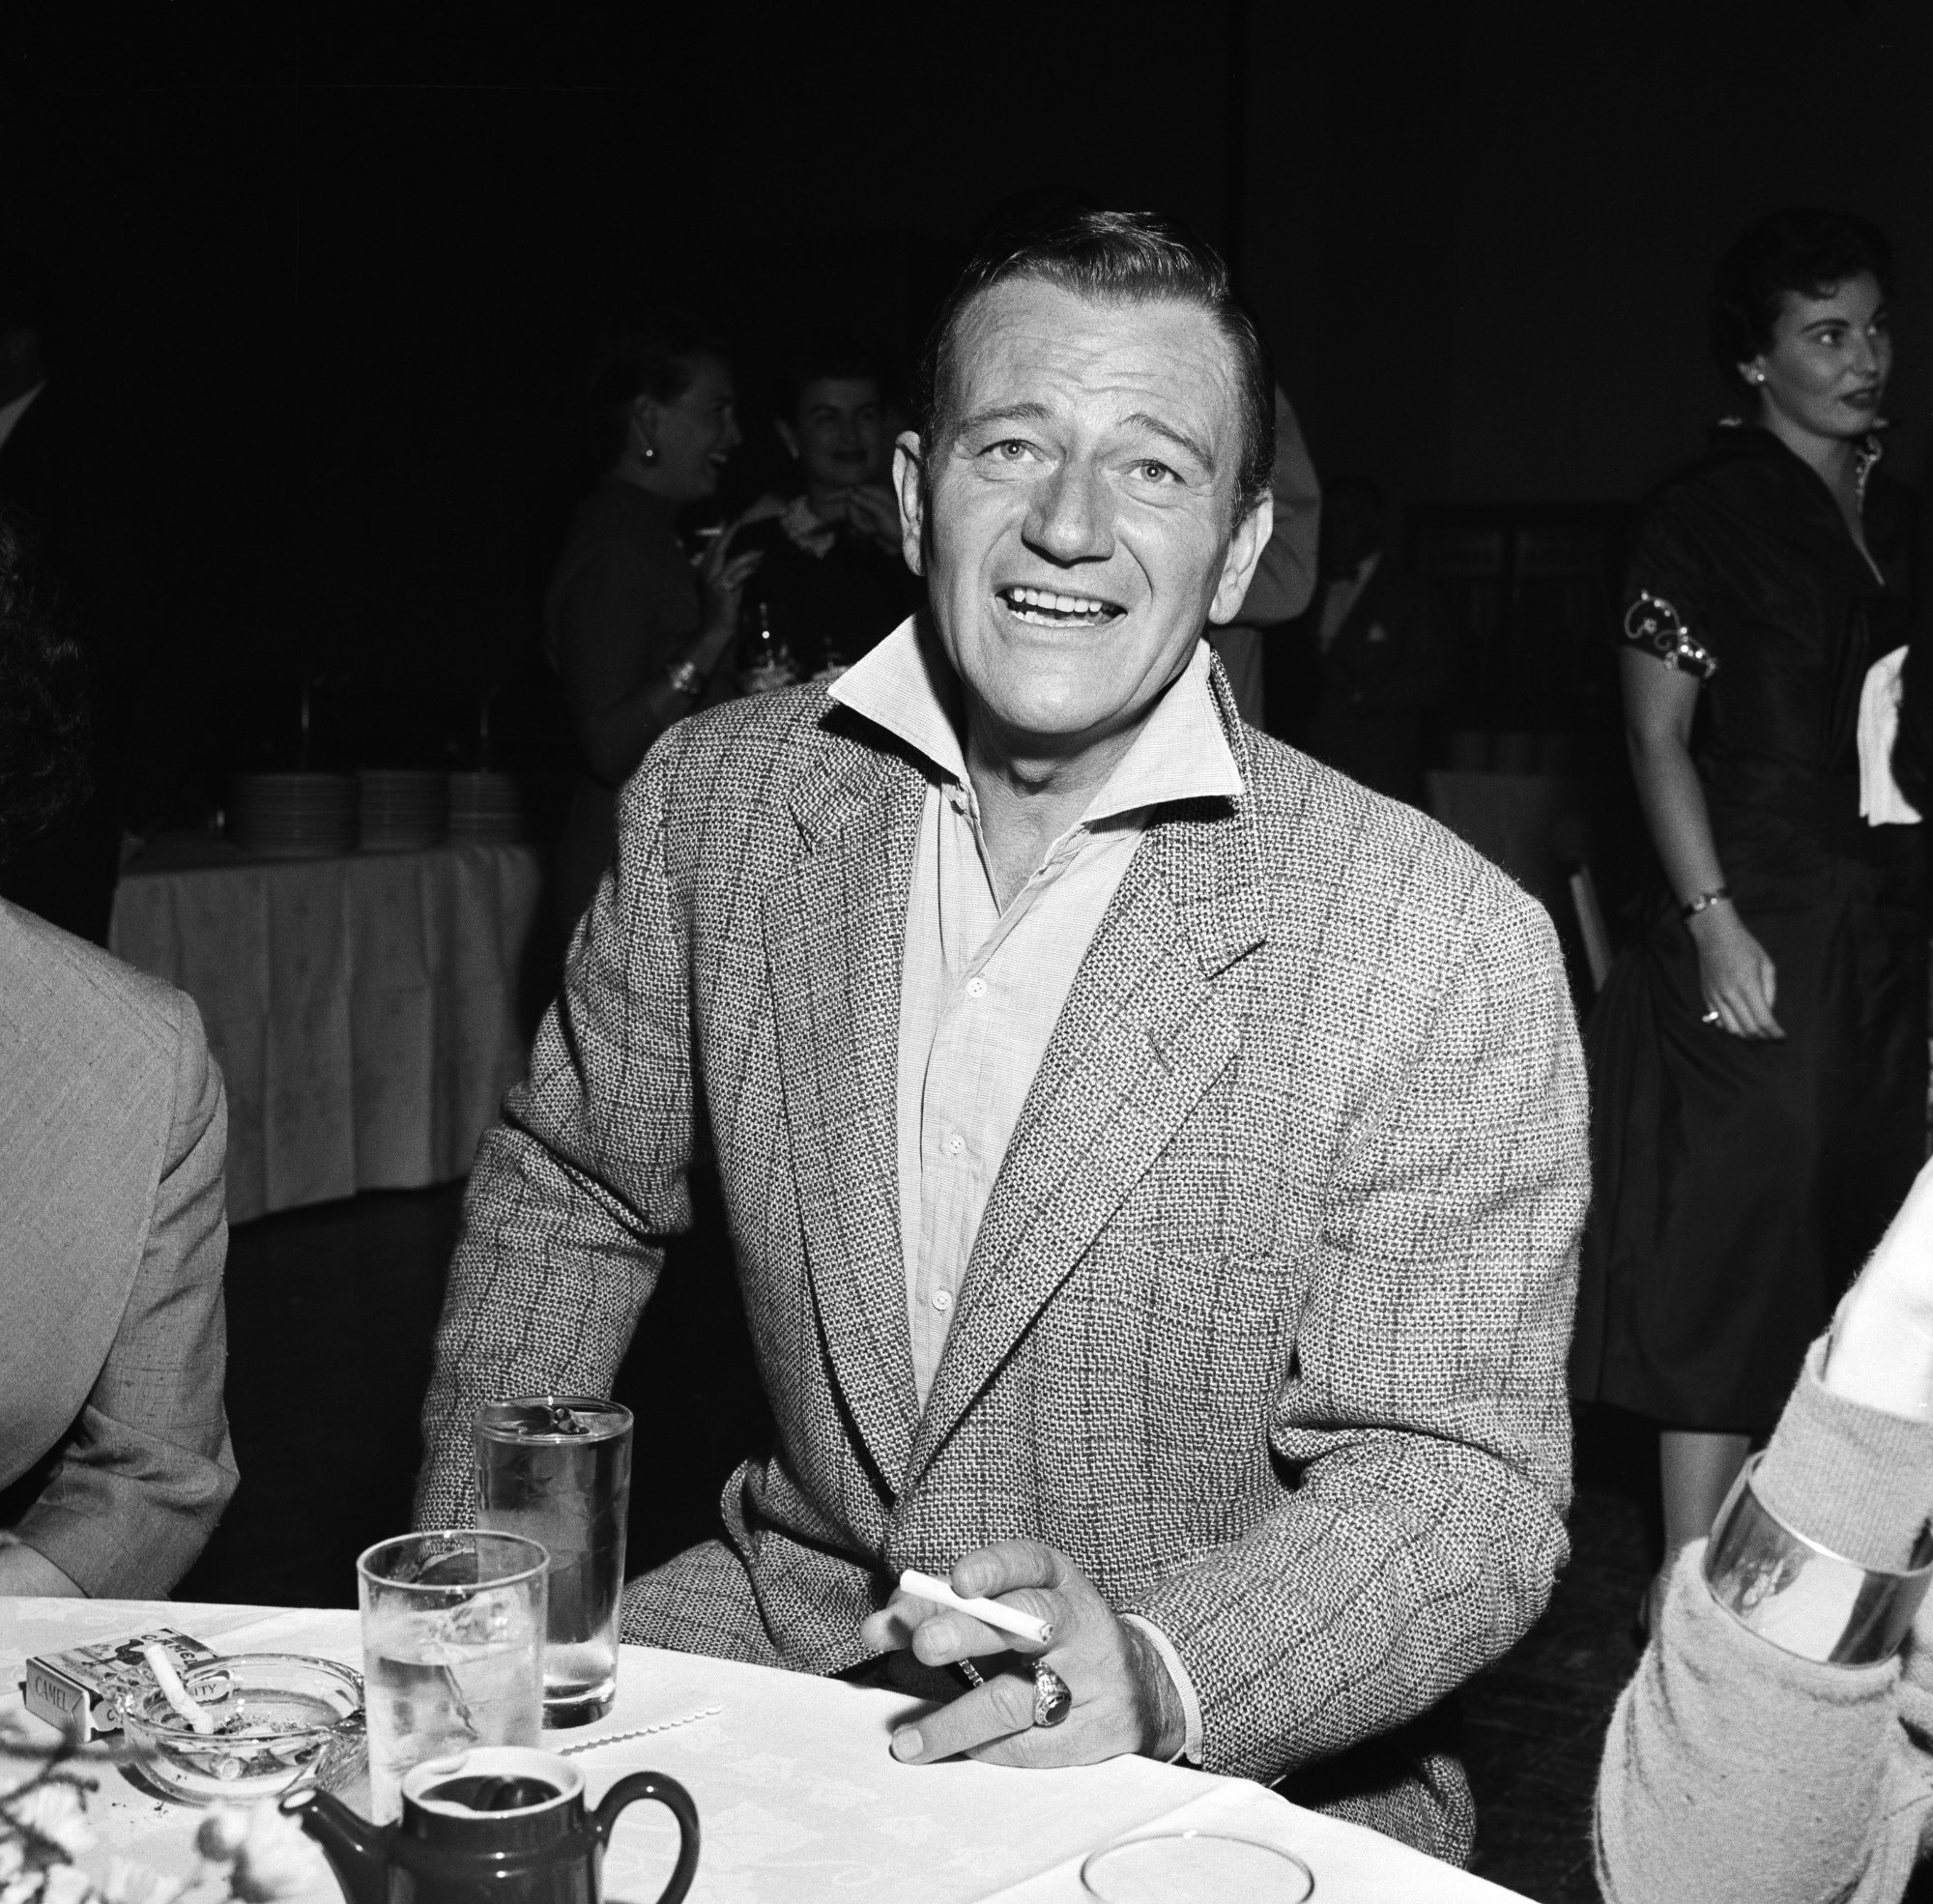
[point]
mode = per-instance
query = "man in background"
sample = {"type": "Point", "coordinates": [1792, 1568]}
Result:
{"type": "Point", "coordinates": [1352, 678]}
{"type": "Point", "coordinates": [1285, 577]}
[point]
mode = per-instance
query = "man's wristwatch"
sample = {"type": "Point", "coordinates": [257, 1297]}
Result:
{"type": "Point", "coordinates": [685, 678]}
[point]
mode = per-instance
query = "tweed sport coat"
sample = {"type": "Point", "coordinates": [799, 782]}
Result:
{"type": "Point", "coordinates": [1266, 1318]}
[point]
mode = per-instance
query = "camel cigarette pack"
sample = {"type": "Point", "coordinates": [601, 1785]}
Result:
{"type": "Point", "coordinates": [81, 1691]}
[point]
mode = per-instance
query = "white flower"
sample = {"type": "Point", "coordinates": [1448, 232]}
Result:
{"type": "Point", "coordinates": [128, 1883]}
{"type": "Point", "coordinates": [222, 1834]}
{"type": "Point", "coordinates": [25, 1887]}
{"type": "Point", "coordinates": [55, 1811]}
{"type": "Point", "coordinates": [12, 1857]}
{"type": "Point", "coordinates": [279, 1860]}
{"type": "Point", "coordinates": [65, 1885]}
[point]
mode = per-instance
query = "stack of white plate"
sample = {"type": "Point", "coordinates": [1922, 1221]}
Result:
{"type": "Point", "coordinates": [292, 815]}
{"type": "Point", "coordinates": [486, 809]}
{"type": "Point", "coordinates": [400, 810]}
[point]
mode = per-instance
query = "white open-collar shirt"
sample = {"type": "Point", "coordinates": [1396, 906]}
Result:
{"type": "Point", "coordinates": [982, 989]}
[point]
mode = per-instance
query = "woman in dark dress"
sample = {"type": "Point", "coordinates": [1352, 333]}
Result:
{"type": "Point", "coordinates": [1759, 1056]}
{"type": "Point", "coordinates": [637, 636]}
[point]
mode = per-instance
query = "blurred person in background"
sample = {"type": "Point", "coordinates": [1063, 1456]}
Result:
{"type": "Point", "coordinates": [1350, 680]}
{"type": "Point", "coordinates": [66, 872]}
{"type": "Point", "coordinates": [114, 1455]}
{"type": "Point", "coordinates": [637, 636]}
{"type": "Point", "coordinates": [1285, 577]}
{"type": "Point", "coordinates": [1759, 1054]}
{"type": "Point", "coordinates": [832, 582]}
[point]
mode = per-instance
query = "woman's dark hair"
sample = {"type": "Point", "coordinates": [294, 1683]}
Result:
{"type": "Point", "coordinates": [1810, 250]}
{"type": "Point", "coordinates": [656, 358]}
{"type": "Point", "coordinates": [1123, 257]}
{"type": "Point", "coordinates": [822, 356]}
{"type": "Point", "coordinates": [44, 701]}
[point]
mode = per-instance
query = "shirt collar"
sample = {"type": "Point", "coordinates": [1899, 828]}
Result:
{"type": "Point", "coordinates": [1181, 753]}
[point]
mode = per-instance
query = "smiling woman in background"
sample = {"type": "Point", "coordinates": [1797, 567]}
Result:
{"type": "Point", "coordinates": [1759, 1056]}
{"type": "Point", "coordinates": [635, 634]}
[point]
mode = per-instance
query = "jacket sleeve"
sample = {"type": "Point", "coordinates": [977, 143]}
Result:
{"type": "Point", "coordinates": [1423, 1431]}
{"type": "Point", "coordinates": [1735, 1770]}
{"type": "Point", "coordinates": [142, 1480]}
{"type": "Point", "coordinates": [577, 1187]}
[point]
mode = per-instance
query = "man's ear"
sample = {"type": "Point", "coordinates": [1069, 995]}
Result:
{"type": "Point", "coordinates": [787, 435]}
{"type": "Point", "coordinates": [909, 479]}
{"type": "Point", "coordinates": [1238, 566]}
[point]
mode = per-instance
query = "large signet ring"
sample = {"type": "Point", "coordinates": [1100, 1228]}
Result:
{"type": "Point", "coordinates": [1052, 1700]}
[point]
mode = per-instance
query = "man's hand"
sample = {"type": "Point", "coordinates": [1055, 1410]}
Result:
{"type": "Point", "coordinates": [1124, 1700]}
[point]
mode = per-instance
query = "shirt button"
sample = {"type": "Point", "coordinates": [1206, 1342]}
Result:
{"type": "Point", "coordinates": [956, 1143]}
{"type": "Point", "coordinates": [942, 1300]}
{"type": "Point", "coordinates": [976, 988]}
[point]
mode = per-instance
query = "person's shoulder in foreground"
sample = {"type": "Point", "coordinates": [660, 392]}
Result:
{"type": "Point", "coordinates": [1772, 1745]}
{"type": "Point", "coordinates": [113, 1137]}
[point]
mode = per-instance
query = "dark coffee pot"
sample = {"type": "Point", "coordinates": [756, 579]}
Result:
{"type": "Point", "coordinates": [500, 1825]}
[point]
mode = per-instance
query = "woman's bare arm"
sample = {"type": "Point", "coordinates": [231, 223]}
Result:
{"type": "Point", "coordinates": [1739, 980]}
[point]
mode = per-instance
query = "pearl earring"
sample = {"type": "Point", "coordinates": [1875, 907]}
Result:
{"type": "Point", "coordinates": [651, 455]}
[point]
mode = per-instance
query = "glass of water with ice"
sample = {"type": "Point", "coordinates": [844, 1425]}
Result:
{"type": "Point", "coordinates": [556, 1468]}
{"type": "Point", "coordinates": [452, 1649]}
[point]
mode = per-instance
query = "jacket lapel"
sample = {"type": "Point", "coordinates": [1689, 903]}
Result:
{"type": "Point", "coordinates": [834, 936]}
{"type": "Point", "coordinates": [1143, 1036]}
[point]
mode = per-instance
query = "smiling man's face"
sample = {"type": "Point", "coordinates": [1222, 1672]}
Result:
{"type": "Point", "coordinates": [1077, 526]}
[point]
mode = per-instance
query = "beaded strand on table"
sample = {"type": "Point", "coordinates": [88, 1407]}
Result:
{"type": "Point", "coordinates": [637, 1732]}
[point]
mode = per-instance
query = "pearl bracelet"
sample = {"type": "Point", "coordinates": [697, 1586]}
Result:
{"type": "Point", "coordinates": [1694, 906]}
{"type": "Point", "coordinates": [1805, 1598]}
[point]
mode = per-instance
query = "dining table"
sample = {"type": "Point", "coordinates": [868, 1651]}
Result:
{"type": "Point", "coordinates": [368, 1010]}
{"type": "Point", "coordinates": [798, 1798]}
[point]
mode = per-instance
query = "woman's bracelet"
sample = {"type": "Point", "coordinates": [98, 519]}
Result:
{"type": "Point", "coordinates": [1692, 908]}
{"type": "Point", "coordinates": [1803, 1597]}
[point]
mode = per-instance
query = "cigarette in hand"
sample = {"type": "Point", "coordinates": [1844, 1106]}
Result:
{"type": "Point", "coordinates": [1021, 1625]}
{"type": "Point", "coordinates": [161, 1662]}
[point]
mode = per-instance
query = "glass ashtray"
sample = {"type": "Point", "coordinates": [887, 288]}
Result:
{"type": "Point", "coordinates": [277, 1716]}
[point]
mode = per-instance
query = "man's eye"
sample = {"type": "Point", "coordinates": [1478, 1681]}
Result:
{"type": "Point", "coordinates": [1010, 449]}
{"type": "Point", "coordinates": [1151, 470]}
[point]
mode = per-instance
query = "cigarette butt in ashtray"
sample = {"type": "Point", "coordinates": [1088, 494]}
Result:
{"type": "Point", "coordinates": [161, 1662]}
{"type": "Point", "coordinates": [1023, 1625]}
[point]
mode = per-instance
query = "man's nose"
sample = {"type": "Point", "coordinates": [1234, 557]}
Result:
{"type": "Point", "coordinates": [1072, 516]}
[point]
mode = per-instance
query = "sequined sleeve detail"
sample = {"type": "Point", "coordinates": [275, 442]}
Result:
{"type": "Point", "coordinates": [1651, 623]}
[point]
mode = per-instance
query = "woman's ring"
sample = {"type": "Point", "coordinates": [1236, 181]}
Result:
{"type": "Point", "coordinates": [1710, 1017]}
{"type": "Point", "coordinates": [1052, 1700]}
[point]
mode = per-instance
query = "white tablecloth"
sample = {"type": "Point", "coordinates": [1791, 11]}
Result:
{"type": "Point", "coordinates": [364, 1010]}
{"type": "Point", "coordinates": [797, 1794]}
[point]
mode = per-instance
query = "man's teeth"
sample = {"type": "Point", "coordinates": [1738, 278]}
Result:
{"type": "Point", "coordinates": [1047, 600]}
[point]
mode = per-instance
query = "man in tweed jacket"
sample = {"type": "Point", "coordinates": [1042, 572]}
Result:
{"type": "Point", "coordinates": [1250, 1374]}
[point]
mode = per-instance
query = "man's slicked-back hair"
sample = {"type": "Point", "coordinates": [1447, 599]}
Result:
{"type": "Point", "coordinates": [1112, 257]}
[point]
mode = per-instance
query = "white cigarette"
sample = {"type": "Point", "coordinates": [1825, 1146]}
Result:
{"type": "Point", "coordinates": [161, 1665]}
{"type": "Point", "coordinates": [1023, 1625]}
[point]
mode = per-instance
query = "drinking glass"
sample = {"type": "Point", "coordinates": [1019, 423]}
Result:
{"type": "Point", "coordinates": [1195, 1867]}
{"type": "Point", "coordinates": [556, 1468]}
{"type": "Point", "coordinates": [452, 1649]}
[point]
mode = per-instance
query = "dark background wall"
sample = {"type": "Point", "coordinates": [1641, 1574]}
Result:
{"type": "Point", "coordinates": [316, 291]}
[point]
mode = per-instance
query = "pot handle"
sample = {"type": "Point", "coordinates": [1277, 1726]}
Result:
{"type": "Point", "coordinates": [670, 1794]}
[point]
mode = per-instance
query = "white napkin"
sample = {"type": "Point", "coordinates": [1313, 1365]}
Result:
{"type": "Point", "coordinates": [1880, 802]}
